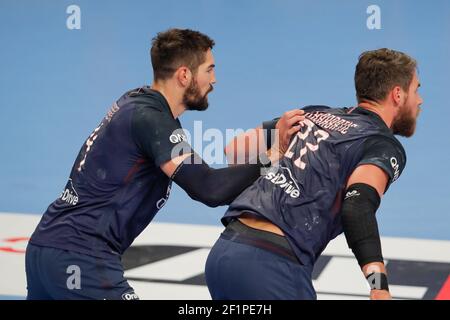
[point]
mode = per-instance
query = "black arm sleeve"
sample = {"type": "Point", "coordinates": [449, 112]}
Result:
{"type": "Point", "coordinates": [161, 138]}
{"type": "Point", "coordinates": [214, 187]}
{"type": "Point", "coordinates": [359, 223]}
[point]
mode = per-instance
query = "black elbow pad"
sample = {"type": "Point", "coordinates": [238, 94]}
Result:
{"type": "Point", "coordinates": [359, 223]}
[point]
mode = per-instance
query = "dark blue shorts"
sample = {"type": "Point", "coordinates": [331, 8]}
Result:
{"type": "Point", "coordinates": [250, 264]}
{"type": "Point", "coordinates": [61, 274]}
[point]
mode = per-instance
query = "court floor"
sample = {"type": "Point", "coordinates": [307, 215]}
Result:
{"type": "Point", "coordinates": [418, 269]}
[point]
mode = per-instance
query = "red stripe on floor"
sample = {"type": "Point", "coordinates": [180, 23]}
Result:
{"type": "Point", "coordinates": [444, 294]}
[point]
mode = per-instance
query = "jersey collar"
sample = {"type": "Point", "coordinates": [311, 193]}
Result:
{"type": "Point", "coordinates": [372, 115]}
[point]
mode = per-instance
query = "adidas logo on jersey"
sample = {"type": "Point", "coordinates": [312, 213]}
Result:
{"type": "Point", "coordinates": [288, 185]}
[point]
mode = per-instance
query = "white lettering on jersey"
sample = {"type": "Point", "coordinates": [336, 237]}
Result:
{"type": "Point", "coordinates": [69, 195]}
{"type": "Point", "coordinates": [289, 186]}
{"type": "Point", "coordinates": [396, 167]}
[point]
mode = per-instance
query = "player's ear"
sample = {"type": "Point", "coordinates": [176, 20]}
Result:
{"type": "Point", "coordinates": [397, 95]}
{"type": "Point", "coordinates": [183, 75]}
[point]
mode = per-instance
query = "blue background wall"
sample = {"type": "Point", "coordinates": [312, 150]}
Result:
{"type": "Point", "coordinates": [56, 84]}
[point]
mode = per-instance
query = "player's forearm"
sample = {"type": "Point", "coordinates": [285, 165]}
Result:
{"type": "Point", "coordinates": [372, 271]}
{"type": "Point", "coordinates": [372, 267]}
{"type": "Point", "coordinates": [375, 274]}
{"type": "Point", "coordinates": [362, 199]}
{"type": "Point", "coordinates": [359, 223]}
{"type": "Point", "coordinates": [215, 187]}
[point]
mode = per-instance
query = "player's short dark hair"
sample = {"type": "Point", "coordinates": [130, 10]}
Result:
{"type": "Point", "coordinates": [379, 71]}
{"type": "Point", "coordinates": [174, 48]}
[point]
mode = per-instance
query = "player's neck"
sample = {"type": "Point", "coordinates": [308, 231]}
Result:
{"type": "Point", "coordinates": [173, 95]}
{"type": "Point", "coordinates": [381, 109]}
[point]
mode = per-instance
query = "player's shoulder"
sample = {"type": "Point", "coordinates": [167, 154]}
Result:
{"type": "Point", "coordinates": [152, 116]}
{"type": "Point", "coordinates": [149, 107]}
{"type": "Point", "coordinates": [145, 99]}
{"type": "Point", "coordinates": [387, 152]}
{"type": "Point", "coordinates": [387, 141]}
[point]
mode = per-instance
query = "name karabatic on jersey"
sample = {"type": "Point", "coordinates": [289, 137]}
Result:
{"type": "Point", "coordinates": [304, 193]}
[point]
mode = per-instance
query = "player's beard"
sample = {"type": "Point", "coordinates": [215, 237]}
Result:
{"type": "Point", "coordinates": [193, 98]}
{"type": "Point", "coordinates": [405, 123]}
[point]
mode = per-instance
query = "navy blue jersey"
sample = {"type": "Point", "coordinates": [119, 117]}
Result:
{"type": "Point", "coordinates": [303, 195]}
{"type": "Point", "coordinates": [116, 185]}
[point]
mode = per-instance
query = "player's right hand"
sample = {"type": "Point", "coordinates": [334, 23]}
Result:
{"type": "Point", "coordinates": [288, 125]}
{"type": "Point", "coordinates": [380, 295]}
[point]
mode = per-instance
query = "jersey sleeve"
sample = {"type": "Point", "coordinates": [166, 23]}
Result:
{"type": "Point", "coordinates": [386, 154]}
{"type": "Point", "coordinates": [158, 135]}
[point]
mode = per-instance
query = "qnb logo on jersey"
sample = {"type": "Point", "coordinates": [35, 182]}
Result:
{"type": "Point", "coordinates": [69, 195]}
{"type": "Point", "coordinates": [130, 296]}
{"type": "Point", "coordinates": [396, 167]}
{"type": "Point", "coordinates": [177, 137]}
{"type": "Point", "coordinates": [287, 183]}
